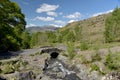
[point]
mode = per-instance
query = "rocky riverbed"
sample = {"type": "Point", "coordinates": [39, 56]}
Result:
{"type": "Point", "coordinates": [37, 66]}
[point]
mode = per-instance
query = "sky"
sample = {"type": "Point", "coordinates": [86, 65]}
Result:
{"type": "Point", "coordinates": [61, 12]}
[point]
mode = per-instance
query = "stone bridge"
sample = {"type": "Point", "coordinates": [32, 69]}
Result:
{"type": "Point", "coordinates": [53, 51]}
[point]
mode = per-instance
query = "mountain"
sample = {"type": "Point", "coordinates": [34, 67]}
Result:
{"type": "Point", "coordinates": [33, 29]}
{"type": "Point", "coordinates": [92, 28]}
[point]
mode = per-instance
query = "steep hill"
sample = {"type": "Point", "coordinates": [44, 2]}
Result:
{"type": "Point", "coordinates": [92, 28]}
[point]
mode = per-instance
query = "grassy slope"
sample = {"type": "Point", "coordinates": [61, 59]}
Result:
{"type": "Point", "coordinates": [92, 28]}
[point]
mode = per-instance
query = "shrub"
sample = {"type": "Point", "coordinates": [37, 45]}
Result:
{"type": "Point", "coordinates": [96, 56]}
{"type": "Point", "coordinates": [84, 46]}
{"type": "Point", "coordinates": [113, 61]}
{"type": "Point", "coordinates": [112, 26]}
{"type": "Point", "coordinates": [94, 67]}
{"type": "Point", "coordinates": [70, 51]}
{"type": "Point", "coordinates": [7, 69]}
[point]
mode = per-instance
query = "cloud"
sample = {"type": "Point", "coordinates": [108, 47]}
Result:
{"type": "Point", "coordinates": [72, 21]}
{"type": "Point", "coordinates": [46, 8]}
{"type": "Point", "coordinates": [52, 14]}
{"type": "Point", "coordinates": [29, 25]}
{"type": "Point", "coordinates": [60, 13]}
{"type": "Point", "coordinates": [56, 25]}
{"type": "Point", "coordinates": [100, 13]}
{"type": "Point", "coordinates": [44, 18]}
{"type": "Point", "coordinates": [73, 16]}
{"type": "Point", "coordinates": [59, 22]}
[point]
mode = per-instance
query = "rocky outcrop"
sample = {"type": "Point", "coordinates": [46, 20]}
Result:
{"type": "Point", "coordinates": [29, 75]}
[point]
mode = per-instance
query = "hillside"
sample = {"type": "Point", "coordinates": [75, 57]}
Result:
{"type": "Point", "coordinates": [92, 28]}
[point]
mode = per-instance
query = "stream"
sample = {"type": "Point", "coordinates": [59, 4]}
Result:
{"type": "Point", "coordinates": [56, 69]}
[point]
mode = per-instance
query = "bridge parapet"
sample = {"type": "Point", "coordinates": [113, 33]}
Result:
{"type": "Point", "coordinates": [52, 51]}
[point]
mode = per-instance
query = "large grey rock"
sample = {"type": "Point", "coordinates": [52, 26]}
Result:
{"type": "Point", "coordinates": [29, 75]}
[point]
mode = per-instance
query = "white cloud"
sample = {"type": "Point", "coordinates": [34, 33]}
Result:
{"type": "Point", "coordinates": [44, 18]}
{"type": "Point", "coordinates": [100, 13]}
{"type": "Point", "coordinates": [46, 8]}
{"type": "Point", "coordinates": [73, 16]}
{"type": "Point", "coordinates": [59, 22]}
{"type": "Point", "coordinates": [56, 25]}
{"type": "Point", "coordinates": [52, 14]}
{"type": "Point", "coordinates": [30, 25]}
{"type": "Point", "coordinates": [72, 21]}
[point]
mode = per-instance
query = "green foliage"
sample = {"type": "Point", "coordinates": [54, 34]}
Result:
{"type": "Point", "coordinates": [70, 51]}
{"type": "Point", "coordinates": [66, 36]}
{"type": "Point", "coordinates": [51, 36]}
{"type": "Point", "coordinates": [96, 56]}
{"type": "Point", "coordinates": [84, 46]}
{"type": "Point", "coordinates": [12, 43]}
{"type": "Point", "coordinates": [94, 67]}
{"type": "Point", "coordinates": [7, 69]}
{"type": "Point", "coordinates": [25, 40]}
{"type": "Point", "coordinates": [69, 37]}
{"type": "Point", "coordinates": [38, 38]}
{"type": "Point", "coordinates": [113, 61]}
{"type": "Point", "coordinates": [12, 23]}
{"type": "Point", "coordinates": [112, 26]}
{"type": "Point", "coordinates": [78, 33]}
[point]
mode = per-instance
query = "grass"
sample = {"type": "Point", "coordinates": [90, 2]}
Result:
{"type": "Point", "coordinates": [8, 68]}
{"type": "Point", "coordinates": [84, 46]}
{"type": "Point", "coordinates": [94, 67]}
{"type": "Point", "coordinates": [70, 53]}
{"type": "Point", "coordinates": [113, 61]}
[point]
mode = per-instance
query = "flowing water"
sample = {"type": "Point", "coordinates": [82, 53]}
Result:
{"type": "Point", "coordinates": [56, 70]}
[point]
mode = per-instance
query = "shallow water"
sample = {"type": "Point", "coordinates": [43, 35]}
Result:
{"type": "Point", "coordinates": [55, 69]}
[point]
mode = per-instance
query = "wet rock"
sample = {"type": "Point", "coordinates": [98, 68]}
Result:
{"type": "Point", "coordinates": [72, 76]}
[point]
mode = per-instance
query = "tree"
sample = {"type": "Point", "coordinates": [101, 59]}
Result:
{"type": "Point", "coordinates": [10, 18]}
{"type": "Point", "coordinates": [69, 37]}
{"type": "Point", "coordinates": [38, 39]}
{"type": "Point", "coordinates": [112, 26]}
{"type": "Point", "coordinates": [25, 40]}
{"type": "Point", "coordinates": [51, 36]}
